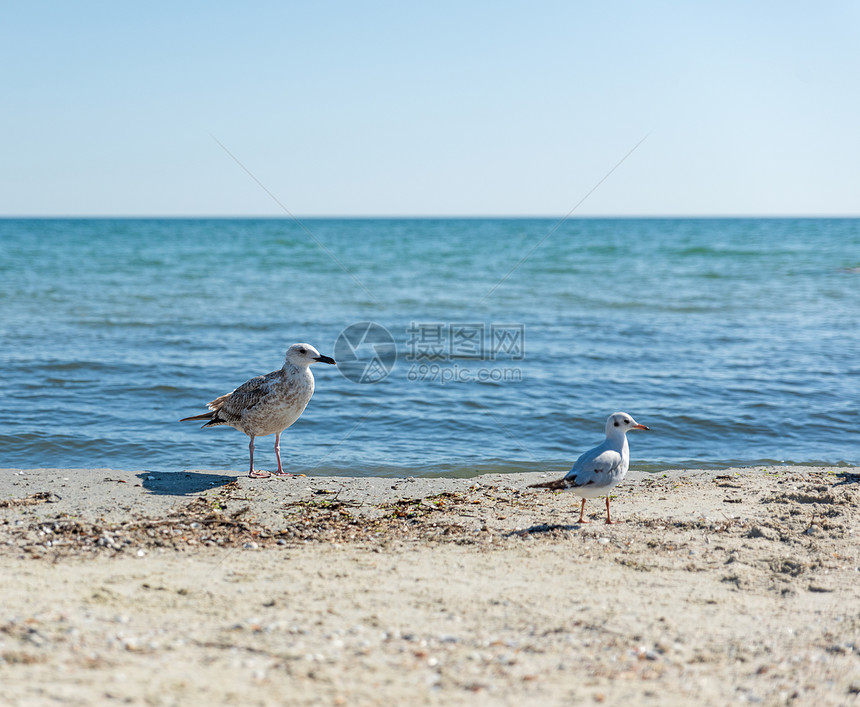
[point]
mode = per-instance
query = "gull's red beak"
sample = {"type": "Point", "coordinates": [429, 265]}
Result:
{"type": "Point", "coordinates": [640, 427]}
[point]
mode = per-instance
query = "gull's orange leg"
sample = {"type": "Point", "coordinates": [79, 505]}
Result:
{"type": "Point", "coordinates": [609, 520]}
{"type": "Point", "coordinates": [281, 471]}
{"type": "Point", "coordinates": [255, 474]}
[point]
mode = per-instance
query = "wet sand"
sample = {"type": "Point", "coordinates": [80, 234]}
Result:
{"type": "Point", "coordinates": [205, 587]}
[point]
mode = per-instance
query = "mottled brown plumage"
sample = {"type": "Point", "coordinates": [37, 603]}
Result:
{"type": "Point", "coordinates": [268, 404]}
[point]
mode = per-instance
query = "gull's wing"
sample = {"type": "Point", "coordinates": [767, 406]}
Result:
{"type": "Point", "coordinates": [595, 467]}
{"type": "Point", "coordinates": [229, 408]}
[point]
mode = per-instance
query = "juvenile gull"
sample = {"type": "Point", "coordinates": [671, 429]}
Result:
{"type": "Point", "coordinates": [268, 404]}
{"type": "Point", "coordinates": [597, 471]}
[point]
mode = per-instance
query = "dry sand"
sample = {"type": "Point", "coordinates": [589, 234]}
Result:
{"type": "Point", "coordinates": [207, 588]}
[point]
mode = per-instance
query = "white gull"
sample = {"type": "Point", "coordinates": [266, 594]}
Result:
{"type": "Point", "coordinates": [598, 470]}
{"type": "Point", "coordinates": [268, 404]}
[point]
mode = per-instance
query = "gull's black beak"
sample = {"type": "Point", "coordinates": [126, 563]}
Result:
{"type": "Point", "coordinates": [326, 359]}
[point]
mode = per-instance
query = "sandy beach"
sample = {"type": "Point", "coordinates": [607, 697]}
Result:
{"type": "Point", "coordinates": [208, 587]}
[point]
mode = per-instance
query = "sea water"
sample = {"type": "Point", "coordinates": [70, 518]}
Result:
{"type": "Point", "coordinates": [466, 345]}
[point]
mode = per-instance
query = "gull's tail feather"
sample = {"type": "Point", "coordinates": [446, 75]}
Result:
{"type": "Point", "coordinates": [555, 485]}
{"type": "Point", "coordinates": [212, 416]}
{"type": "Point", "coordinates": [214, 408]}
{"type": "Point", "coordinates": [204, 416]}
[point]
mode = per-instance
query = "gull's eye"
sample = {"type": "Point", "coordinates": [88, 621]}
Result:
{"type": "Point", "coordinates": [302, 351]}
{"type": "Point", "coordinates": [626, 421]}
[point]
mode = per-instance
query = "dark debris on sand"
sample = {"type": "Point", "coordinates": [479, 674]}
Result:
{"type": "Point", "coordinates": [787, 531]}
{"type": "Point", "coordinates": [205, 522]}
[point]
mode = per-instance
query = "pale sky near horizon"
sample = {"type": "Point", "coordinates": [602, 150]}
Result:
{"type": "Point", "coordinates": [449, 108]}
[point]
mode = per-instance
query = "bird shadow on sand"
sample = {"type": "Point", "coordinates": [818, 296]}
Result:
{"type": "Point", "coordinates": [182, 483]}
{"type": "Point", "coordinates": [847, 478]}
{"type": "Point", "coordinates": [543, 528]}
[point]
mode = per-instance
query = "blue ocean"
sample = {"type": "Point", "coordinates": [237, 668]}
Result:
{"type": "Point", "coordinates": [465, 346]}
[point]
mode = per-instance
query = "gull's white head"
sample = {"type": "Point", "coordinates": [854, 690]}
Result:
{"type": "Point", "coordinates": [303, 355]}
{"type": "Point", "coordinates": [621, 423]}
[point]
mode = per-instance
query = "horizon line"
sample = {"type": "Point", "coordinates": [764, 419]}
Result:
{"type": "Point", "coordinates": [414, 217]}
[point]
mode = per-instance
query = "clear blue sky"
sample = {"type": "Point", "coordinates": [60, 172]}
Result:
{"type": "Point", "coordinates": [447, 108]}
